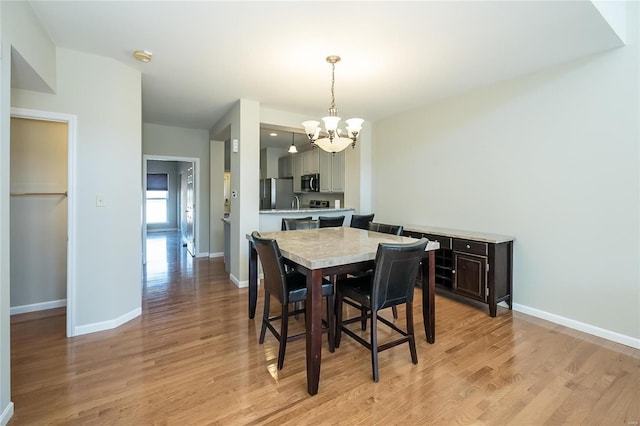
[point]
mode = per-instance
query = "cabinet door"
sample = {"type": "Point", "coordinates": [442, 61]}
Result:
{"type": "Point", "coordinates": [470, 275]}
{"type": "Point", "coordinates": [324, 163]}
{"type": "Point", "coordinates": [297, 161]}
{"type": "Point", "coordinates": [337, 173]}
{"type": "Point", "coordinates": [311, 161]}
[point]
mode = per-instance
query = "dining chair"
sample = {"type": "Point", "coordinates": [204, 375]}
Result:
{"type": "Point", "coordinates": [287, 287]}
{"type": "Point", "coordinates": [361, 220]}
{"type": "Point", "coordinates": [385, 229]}
{"type": "Point", "coordinates": [391, 284]}
{"type": "Point", "coordinates": [285, 219]}
{"type": "Point", "coordinates": [328, 221]}
{"type": "Point", "coordinates": [304, 223]}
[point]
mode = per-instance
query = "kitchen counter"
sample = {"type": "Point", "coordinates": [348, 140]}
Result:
{"type": "Point", "coordinates": [271, 220]}
{"type": "Point", "coordinates": [305, 210]}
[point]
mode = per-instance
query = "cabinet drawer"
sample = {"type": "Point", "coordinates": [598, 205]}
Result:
{"type": "Point", "coordinates": [468, 246]}
{"type": "Point", "coordinates": [412, 234]}
{"type": "Point", "coordinates": [445, 242]}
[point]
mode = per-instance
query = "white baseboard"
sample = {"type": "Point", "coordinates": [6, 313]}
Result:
{"type": "Point", "coordinates": [580, 326]}
{"type": "Point", "coordinates": [37, 306]}
{"type": "Point", "coordinates": [7, 413]}
{"type": "Point", "coordinates": [205, 254]}
{"type": "Point", "coordinates": [219, 254]}
{"type": "Point", "coordinates": [106, 325]}
{"type": "Point", "coordinates": [237, 282]}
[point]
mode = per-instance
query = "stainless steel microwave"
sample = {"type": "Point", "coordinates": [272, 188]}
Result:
{"type": "Point", "coordinates": [310, 183]}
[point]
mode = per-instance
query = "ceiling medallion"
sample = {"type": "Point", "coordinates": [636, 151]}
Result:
{"type": "Point", "coordinates": [143, 55]}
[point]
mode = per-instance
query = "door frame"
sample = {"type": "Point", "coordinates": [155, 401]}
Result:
{"type": "Point", "coordinates": [71, 121]}
{"type": "Point", "coordinates": [196, 188]}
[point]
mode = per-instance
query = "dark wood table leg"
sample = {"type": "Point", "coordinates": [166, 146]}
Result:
{"type": "Point", "coordinates": [314, 329]}
{"type": "Point", "coordinates": [253, 279]}
{"type": "Point", "coordinates": [428, 296]}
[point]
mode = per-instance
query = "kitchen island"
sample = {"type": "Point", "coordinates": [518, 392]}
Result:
{"type": "Point", "coordinates": [271, 220]}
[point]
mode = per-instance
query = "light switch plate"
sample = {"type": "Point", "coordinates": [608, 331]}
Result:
{"type": "Point", "coordinates": [99, 200]}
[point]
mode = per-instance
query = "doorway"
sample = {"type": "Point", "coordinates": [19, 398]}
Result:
{"type": "Point", "coordinates": [184, 187]}
{"type": "Point", "coordinates": [42, 227]}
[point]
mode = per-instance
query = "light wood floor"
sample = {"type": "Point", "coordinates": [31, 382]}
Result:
{"type": "Point", "coordinates": [193, 358]}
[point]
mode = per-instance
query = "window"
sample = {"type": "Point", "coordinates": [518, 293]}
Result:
{"type": "Point", "coordinates": [157, 197]}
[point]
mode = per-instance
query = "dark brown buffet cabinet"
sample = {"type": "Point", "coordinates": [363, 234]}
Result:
{"type": "Point", "coordinates": [474, 265]}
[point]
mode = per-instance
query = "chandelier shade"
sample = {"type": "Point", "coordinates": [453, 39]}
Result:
{"type": "Point", "coordinates": [333, 142]}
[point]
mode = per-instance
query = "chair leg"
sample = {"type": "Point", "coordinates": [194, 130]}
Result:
{"type": "Point", "coordinates": [265, 316]}
{"type": "Point", "coordinates": [284, 325]}
{"type": "Point", "coordinates": [412, 337]}
{"type": "Point", "coordinates": [338, 324]}
{"type": "Point", "coordinates": [363, 319]}
{"type": "Point", "coordinates": [394, 309]}
{"type": "Point", "coordinates": [374, 344]}
{"type": "Point", "coordinates": [331, 322]}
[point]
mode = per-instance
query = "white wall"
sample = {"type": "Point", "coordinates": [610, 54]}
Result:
{"type": "Point", "coordinates": [552, 159]}
{"type": "Point", "coordinates": [158, 140]}
{"type": "Point", "coordinates": [242, 122]}
{"type": "Point", "coordinates": [6, 406]}
{"type": "Point", "coordinates": [216, 228]}
{"type": "Point", "coordinates": [108, 244]}
{"type": "Point", "coordinates": [35, 54]}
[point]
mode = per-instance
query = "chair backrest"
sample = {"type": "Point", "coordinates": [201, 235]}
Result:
{"type": "Point", "coordinates": [395, 271]}
{"type": "Point", "coordinates": [272, 266]}
{"type": "Point", "coordinates": [361, 220]}
{"type": "Point", "coordinates": [385, 229]}
{"type": "Point", "coordinates": [293, 224]}
{"type": "Point", "coordinates": [328, 221]}
{"type": "Point", "coordinates": [285, 219]}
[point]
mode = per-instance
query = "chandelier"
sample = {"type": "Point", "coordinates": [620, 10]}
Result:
{"type": "Point", "coordinates": [334, 142]}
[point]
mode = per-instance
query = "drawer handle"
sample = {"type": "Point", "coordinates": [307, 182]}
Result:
{"type": "Point", "coordinates": [468, 246]}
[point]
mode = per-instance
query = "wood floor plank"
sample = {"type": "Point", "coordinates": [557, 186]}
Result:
{"type": "Point", "coordinates": [193, 358]}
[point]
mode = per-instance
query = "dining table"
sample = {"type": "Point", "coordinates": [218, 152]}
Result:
{"type": "Point", "coordinates": [335, 251]}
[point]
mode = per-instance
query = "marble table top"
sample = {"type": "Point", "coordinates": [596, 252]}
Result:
{"type": "Point", "coordinates": [326, 247]}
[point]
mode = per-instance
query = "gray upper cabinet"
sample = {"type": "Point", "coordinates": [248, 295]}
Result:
{"type": "Point", "coordinates": [311, 160]}
{"type": "Point", "coordinates": [296, 163]}
{"type": "Point", "coordinates": [331, 171]}
{"type": "Point", "coordinates": [285, 166]}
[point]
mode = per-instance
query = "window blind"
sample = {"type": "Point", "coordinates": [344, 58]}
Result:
{"type": "Point", "coordinates": [157, 182]}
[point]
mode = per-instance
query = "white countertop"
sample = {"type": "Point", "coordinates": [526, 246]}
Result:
{"type": "Point", "coordinates": [304, 210]}
{"type": "Point", "coordinates": [457, 233]}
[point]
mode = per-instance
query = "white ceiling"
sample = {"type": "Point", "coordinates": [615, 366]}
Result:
{"type": "Point", "coordinates": [395, 55]}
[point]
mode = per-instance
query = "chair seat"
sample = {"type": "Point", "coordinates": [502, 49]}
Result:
{"type": "Point", "coordinates": [297, 287]}
{"type": "Point", "coordinates": [357, 289]}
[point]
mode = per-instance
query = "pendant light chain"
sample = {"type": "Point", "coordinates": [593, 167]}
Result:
{"type": "Point", "coordinates": [332, 108]}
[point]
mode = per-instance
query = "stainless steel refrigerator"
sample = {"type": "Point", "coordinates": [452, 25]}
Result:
{"type": "Point", "coordinates": [276, 193]}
